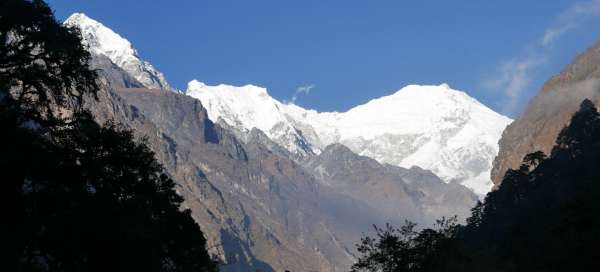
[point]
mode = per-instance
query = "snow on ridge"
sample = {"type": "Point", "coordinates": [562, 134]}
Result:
{"type": "Point", "coordinates": [247, 107]}
{"type": "Point", "coordinates": [101, 40]}
{"type": "Point", "coordinates": [431, 126]}
{"type": "Point", "coordinates": [244, 107]}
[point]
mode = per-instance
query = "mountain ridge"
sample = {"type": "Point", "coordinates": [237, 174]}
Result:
{"type": "Point", "coordinates": [259, 206]}
{"type": "Point", "coordinates": [101, 40]}
{"type": "Point", "coordinates": [434, 127]}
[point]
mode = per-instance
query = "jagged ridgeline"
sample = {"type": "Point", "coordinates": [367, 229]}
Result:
{"type": "Point", "coordinates": [543, 217]}
{"type": "Point", "coordinates": [77, 195]}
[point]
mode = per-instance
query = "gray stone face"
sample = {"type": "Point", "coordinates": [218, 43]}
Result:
{"type": "Point", "coordinates": [116, 77]}
{"type": "Point", "coordinates": [259, 208]}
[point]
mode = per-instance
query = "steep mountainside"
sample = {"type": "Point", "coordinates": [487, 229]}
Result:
{"type": "Point", "coordinates": [240, 197]}
{"type": "Point", "coordinates": [433, 127]}
{"type": "Point", "coordinates": [260, 209]}
{"type": "Point", "coordinates": [549, 111]}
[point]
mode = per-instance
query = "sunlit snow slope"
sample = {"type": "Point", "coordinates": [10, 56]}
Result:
{"type": "Point", "coordinates": [104, 41]}
{"type": "Point", "coordinates": [434, 127]}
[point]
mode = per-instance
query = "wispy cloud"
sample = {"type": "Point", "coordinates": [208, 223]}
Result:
{"type": "Point", "coordinates": [553, 33]}
{"type": "Point", "coordinates": [514, 76]}
{"type": "Point", "coordinates": [570, 19]}
{"type": "Point", "coordinates": [585, 8]}
{"type": "Point", "coordinates": [301, 90]}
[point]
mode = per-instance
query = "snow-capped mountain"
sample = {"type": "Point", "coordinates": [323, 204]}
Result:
{"type": "Point", "coordinates": [274, 210]}
{"type": "Point", "coordinates": [103, 41]}
{"type": "Point", "coordinates": [433, 127]}
{"type": "Point", "coordinates": [248, 107]}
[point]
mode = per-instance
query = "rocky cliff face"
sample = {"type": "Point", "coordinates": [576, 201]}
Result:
{"type": "Point", "coordinates": [259, 208]}
{"type": "Point", "coordinates": [549, 111]}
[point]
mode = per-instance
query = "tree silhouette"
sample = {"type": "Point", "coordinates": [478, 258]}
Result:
{"type": "Point", "coordinates": [76, 195]}
{"type": "Point", "coordinates": [534, 159]}
{"type": "Point", "coordinates": [42, 63]}
{"type": "Point", "coordinates": [406, 249]}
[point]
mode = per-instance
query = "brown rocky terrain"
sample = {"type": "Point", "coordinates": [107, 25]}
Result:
{"type": "Point", "coordinates": [549, 111]}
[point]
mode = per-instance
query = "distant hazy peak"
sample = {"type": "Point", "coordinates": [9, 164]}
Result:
{"type": "Point", "coordinates": [101, 40]}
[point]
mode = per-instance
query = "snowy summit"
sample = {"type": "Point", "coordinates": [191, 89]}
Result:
{"type": "Point", "coordinates": [101, 40]}
{"type": "Point", "coordinates": [433, 127]}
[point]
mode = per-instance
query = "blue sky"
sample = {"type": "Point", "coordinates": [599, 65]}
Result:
{"type": "Point", "coordinates": [348, 52]}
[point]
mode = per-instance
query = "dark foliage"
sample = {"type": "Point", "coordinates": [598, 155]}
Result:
{"type": "Point", "coordinates": [90, 198]}
{"type": "Point", "coordinates": [77, 196]}
{"type": "Point", "coordinates": [42, 63]}
{"type": "Point", "coordinates": [406, 249]}
{"type": "Point", "coordinates": [544, 217]}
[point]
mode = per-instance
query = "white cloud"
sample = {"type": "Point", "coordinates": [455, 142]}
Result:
{"type": "Point", "coordinates": [514, 76]}
{"type": "Point", "coordinates": [301, 90]}
{"type": "Point", "coordinates": [553, 33]}
{"type": "Point", "coordinates": [570, 19]}
{"type": "Point", "coordinates": [585, 8]}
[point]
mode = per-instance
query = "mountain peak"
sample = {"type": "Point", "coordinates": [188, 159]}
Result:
{"type": "Point", "coordinates": [77, 18]}
{"type": "Point", "coordinates": [441, 91]}
{"type": "Point", "coordinates": [195, 84]}
{"type": "Point", "coordinates": [431, 126]}
{"type": "Point", "coordinates": [248, 89]}
{"type": "Point", "coordinates": [102, 40]}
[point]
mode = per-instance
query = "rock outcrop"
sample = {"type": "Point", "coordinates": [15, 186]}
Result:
{"type": "Point", "coordinates": [549, 111]}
